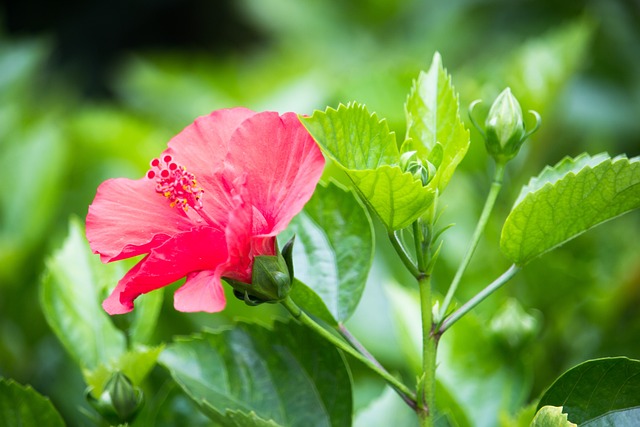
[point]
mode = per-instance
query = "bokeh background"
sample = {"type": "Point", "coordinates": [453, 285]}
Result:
{"type": "Point", "coordinates": [91, 90]}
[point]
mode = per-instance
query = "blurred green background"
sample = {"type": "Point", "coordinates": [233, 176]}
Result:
{"type": "Point", "coordinates": [92, 90]}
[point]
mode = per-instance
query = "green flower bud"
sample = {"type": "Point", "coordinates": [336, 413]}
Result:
{"type": "Point", "coordinates": [409, 162]}
{"type": "Point", "coordinates": [119, 402]}
{"type": "Point", "coordinates": [504, 131]}
{"type": "Point", "coordinates": [271, 278]}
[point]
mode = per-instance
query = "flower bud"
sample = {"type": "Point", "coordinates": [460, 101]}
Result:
{"type": "Point", "coordinates": [409, 162]}
{"type": "Point", "coordinates": [504, 131]}
{"type": "Point", "coordinates": [271, 278]}
{"type": "Point", "coordinates": [119, 402]}
{"type": "Point", "coordinates": [512, 326]}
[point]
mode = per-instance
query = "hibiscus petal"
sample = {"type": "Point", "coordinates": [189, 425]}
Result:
{"type": "Point", "coordinates": [200, 249]}
{"type": "Point", "coordinates": [202, 146]}
{"type": "Point", "coordinates": [282, 162]}
{"type": "Point", "coordinates": [201, 292]}
{"type": "Point", "coordinates": [128, 218]}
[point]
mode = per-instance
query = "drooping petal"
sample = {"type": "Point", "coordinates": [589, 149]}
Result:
{"type": "Point", "coordinates": [200, 249]}
{"type": "Point", "coordinates": [128, 218]}
{"type": "Point", "coordinates": [282, 163]}
{"type": "Point", "coordinates": [201, 292]}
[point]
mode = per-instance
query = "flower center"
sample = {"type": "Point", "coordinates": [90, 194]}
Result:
{"type": "Point", "coordinates": [175, 183]}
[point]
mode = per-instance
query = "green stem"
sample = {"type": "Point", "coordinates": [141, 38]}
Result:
{"type": "Point", "coordinates": [404, 257]}
{"type": "Point", "coordinates": [302, 317]}
{"type": "Point", "coordinates": [427, 387]}
{"type": "Point", "coordinates": [496, 185]}
{"type": "Point", "coordinates": [469, 305]}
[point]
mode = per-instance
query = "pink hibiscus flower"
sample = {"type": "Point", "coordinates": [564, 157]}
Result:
{"type": "Point", "coordinates": [214, 200]}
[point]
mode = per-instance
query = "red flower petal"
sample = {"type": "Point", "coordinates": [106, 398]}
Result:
{"type": "Point", "coordinates": [282, 163]}
{"type": "Point", "coordinates": [128, 218]}
{"type": "Point", "coordinates": [201, 292]}
{"type": "Point", "coordinates": [200, 249]}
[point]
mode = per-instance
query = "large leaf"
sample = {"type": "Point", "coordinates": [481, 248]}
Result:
{"type": "Point", "coordinates": [22, 406]}
{"type": "Point", "coordinates": [434, 128]}
{"type": "Point", "coordinates": [598, 389]}
{"type": "Point", "coordinates": [288, 375]}
{"type": "Point", "coordinates": [71, 302]}
{"type": "Point", "coordinates": [567, 200]}
{"type": "Point", "coordinates": [367, 151]}
{"type": "Point", "coordinates": [334, 248]}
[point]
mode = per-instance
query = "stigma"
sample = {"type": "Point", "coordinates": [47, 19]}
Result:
{"type": "Point", "coordinates": [175, 183]}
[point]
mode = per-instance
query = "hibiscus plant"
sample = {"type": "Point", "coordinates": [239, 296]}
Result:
{"type": "Point", "coordinates": [283, 211]}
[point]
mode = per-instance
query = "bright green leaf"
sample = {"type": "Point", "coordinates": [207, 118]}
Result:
{"type": "Point", "coordinates": [241, 419]}
{"type": "Point", "coordinates": [333, 250]}
{"type": "Point", "coordinates": [561, 206]}
{"type": "Point", "coordinates": [434, 127]}
{"type": "Point", "coordinates": [135, 364]}
{"type": "Point", "coordinates": [354, 138]}
{"type": "Point", "coordinates": [367, 151]}
{"type": "Point", "coordinates": [71, 302]}
{"type": "Point", "coordinates": [596, 388]}
{"type": "Point", "coordinates": [22, 406]}
{"type": "Point", "coordinates": [288, 375]}
{"type": "Point", "coordinates": [551, 416]}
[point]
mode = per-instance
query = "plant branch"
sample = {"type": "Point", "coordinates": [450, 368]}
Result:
{"type": "Point", "coordinates": [406, 394]}
{"type": "Point", "coordinates": [496, 186]}
{"type": "Point", "coordinates": [469, 305]}
{"type": "Point", "coordinates": [404, 256]}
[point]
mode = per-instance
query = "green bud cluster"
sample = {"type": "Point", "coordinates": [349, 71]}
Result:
{"type": "Point", "coordinates": [504, 129]}
{"type": "Point", "coordinates": [422, 170]}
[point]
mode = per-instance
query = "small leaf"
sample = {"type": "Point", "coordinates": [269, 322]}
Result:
{"type": "Point", "coordinates": [597, 388]}
{"type": "Point", "coordinates": [241, 419]}
{"type": "Point", "coordinates": [287, 375]}
{"type": "Point", "coordinates": [367, 151]}
{"type": "Point", "coordinates": [334, 249]}
{"type": "Point", "coordinates": [551, 416]}
{"type": "Point", "coordinates": [561, 206]}
{"type": "Point", "coordinates": [434, 127]}
{"type": "Point", "coordinates": [22, 406]}
{"type": "Point", "coordinates": [71, 303]}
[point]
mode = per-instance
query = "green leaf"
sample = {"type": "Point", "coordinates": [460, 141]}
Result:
{"type": "Point", "coordinates": [135, 364]}
{"type": "Point", "coordinates": [70, 299]}
{"type": "Point", "coordinates": [551, 416]}
{"type": "Point", "coordinates": [352, 137]}
{"type": "Point", "coordinates": [22, 406]}
{"type": "Point", "coordinates": [241, 419]}
{"type": "Point", "coordinates": [567, 200]}
{"type": "Point", "coordinates": [367, 151]}
{"type": "Point", "coordinates": [434, 127]}
{"type": "Point", "coordinates": [308, 300]}
{"type": "Point", "coordinates": [609, 386]}
{"type": "Point", "coordinates": [333, 249]}
{"type": "Point", "coordinates": [288, 375]}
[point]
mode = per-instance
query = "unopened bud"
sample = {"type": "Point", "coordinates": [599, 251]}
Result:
{"type": "Point", "coordinates": [119, 402]}
{"type": "Point", "coordinates": [409, 162]}
{"type": "Point", "coordinates": [504, 131]}
{"type": "Point", "coordinates": [271, 278]}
